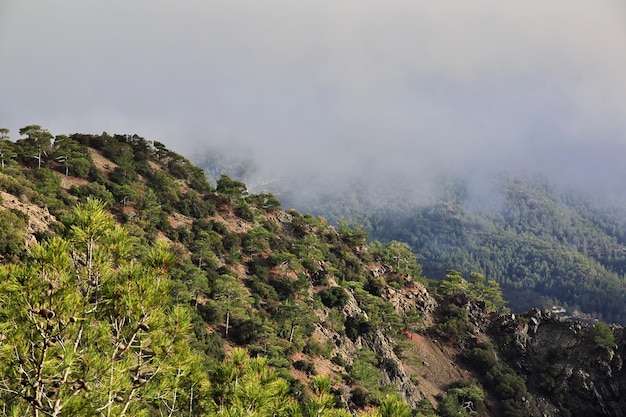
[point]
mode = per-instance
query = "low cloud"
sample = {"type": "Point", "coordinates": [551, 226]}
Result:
{"type": "Point", "coordinates": [326, 93]}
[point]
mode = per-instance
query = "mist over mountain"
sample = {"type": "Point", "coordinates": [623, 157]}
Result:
{"type": "Point", "coordinates": [551, 238]}
{"type": "Point", "coordinates": [594, 169]}
{"type": "Point", "coordinates": [385, 95]}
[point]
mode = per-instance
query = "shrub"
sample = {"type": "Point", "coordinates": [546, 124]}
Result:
{"type": "Point", "coordinates": [305, 366]}
{"type": "Point", "coordinates": [338, 360]}
{"type": "Point", "coordinates": [334, 297]}
{"type": "Point", "coordinates": [360, 397]}
{"type": "Point", "coordinates": [463, 401]}
{"type": "Point", "coordinates": [356, 326]}
{"type": "Point", "coordinates": [601, 335]}
{"type": "Point", "coordinates": [482, 359]}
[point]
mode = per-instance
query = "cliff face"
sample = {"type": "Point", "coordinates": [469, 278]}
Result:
{"type": "Point", "coordinates": [568, 368]}
{"type": "Point", "coordinates": [542, 363]}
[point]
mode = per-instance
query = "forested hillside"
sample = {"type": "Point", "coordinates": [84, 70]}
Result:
{"type": "Point", "coordinates": [544, 245]}
{"type": "Point", "coordinates": [131, 285]}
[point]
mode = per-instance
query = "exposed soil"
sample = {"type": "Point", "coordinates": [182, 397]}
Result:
{"type": "Point", "coordinates": [176, 220]}
{"type": "Point", "coordinates": [233, 223]}
{"type": "Point", "coordinates": [438, 369]}
{"type": "Point", "coordinates": [103, 164]}
{"type": "Point", "coordinates": [39, 218]}
{"type": "Point", "coordinates": [67, 181]}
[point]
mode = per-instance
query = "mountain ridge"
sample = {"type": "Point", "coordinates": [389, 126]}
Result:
{"type": "Point", "coordinates": [518, 233]}
{"type": "Point", "coordinates": [333, 326]}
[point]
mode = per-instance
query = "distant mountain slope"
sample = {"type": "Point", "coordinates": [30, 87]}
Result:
{"type": "Point", "coordinates": [541, 243]}
{"type": "Point", "coordinates": [545, 245]}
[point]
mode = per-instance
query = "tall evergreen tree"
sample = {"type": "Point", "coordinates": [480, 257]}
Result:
{"type": "Point", "coordinates": [37, 142]}
{"type": "Point", "coordinates": [88, 328]}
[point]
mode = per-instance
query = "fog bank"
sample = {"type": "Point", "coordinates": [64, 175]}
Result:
{"type": "Point", "coordinates": [323, 94]}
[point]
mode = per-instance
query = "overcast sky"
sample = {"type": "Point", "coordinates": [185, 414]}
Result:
{"type": "Point", "coordinates": [319, 89]}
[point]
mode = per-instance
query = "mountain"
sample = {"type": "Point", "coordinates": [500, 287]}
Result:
{"type": "Point", "coordinates": [130, 285]}
{"type": "Point", "coordinates": [545, 245]}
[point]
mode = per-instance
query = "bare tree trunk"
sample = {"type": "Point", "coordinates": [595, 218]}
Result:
{"type": "Point", "coordinates": [227, 322]}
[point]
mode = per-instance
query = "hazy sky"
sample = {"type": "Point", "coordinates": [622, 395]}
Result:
{"type": "Point", "coordinates": [317, 89]}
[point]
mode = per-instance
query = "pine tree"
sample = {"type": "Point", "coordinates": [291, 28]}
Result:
{"type": "Point", "coordinates": [245, 386]}
{"type": "Point", "coordinates": [230, 297]}
{"type": "Point", "coordinates": [37, 143]}
{"type": "Point", "coordinates": [88, 328]}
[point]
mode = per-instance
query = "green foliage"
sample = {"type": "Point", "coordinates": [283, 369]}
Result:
{"type": "Point", "coordinates": [314, 347]}
{"type": "Point", "coordinates": [47, 182]}
{"type": "Point", "coordinates": [35, 148]}
{"type": "Point", "coordinates": [244, 211]}
{"type": "Point", "coordinates": [365, 370]}
{"type": "Point", "coordinates": [399, 257]}
{"type": "Point", "coordinates": [336, 321]}
{"type": "Point", "coordinates": [482, 358]}
{"type": "Point", "coordinates": [352, 236]}
{"type": "Point", "coordinates": [12, 239]}
{"type": "Point", "coordinates": [393, 406]}
{"type": "Point", "coordinates": [231, 189]}
{"type": "Point", "coordinates": [334, 297]}
{"type": "Point", "coordinates": [257, 240]}
{"type": "Point", "coordinates": [164, 187]}
{"type": "Point", "coordinates": [601, 335]}
{"type": "Point", "coordinates": [248, 386]}
{"type": "Point", "coordinates": [305, 366]}
{"type": "Point", "coordinates": [294, 320]}
{"type": "Point", "coordinates": [71, 157]}
{"type": "Point", "coordinates": [230, 297]}
{"type": "Point", "coordinates": [463, 400]}
{"type": "Point", "coordinates": [509, 387]}
{"type": "Point", "coordinates": [15, 183]}
{"type": "Point", "coordinates": [452, 284]}
{"type": "Point", "coordinates": [125, 171]}
{"type": "Point", "coordinates": [181, 168]}
{"type": "Point", "coordinates": [89, 327]}
{"type": "Point", "coordinates": [8, 153]}
{"type": "Point", "coordinates": [458, 294]}
{"type": "Point", "coordinates": [380, 313]}
{"type": "Point", "coordinates": [264, 201]}
{"type": "Point", "coordinates": [93, 190]}
{"type": "Point", "coordinates": [540, 244]}
{"type": "Point", "coordinates": [454, 323]}
{"type": "Point", "coordinates": [357, 326]}
{"type": "Point", "coordinates": [195, 204]}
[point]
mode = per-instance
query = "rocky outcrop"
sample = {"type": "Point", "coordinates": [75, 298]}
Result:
{"type": "Point", "coordinates": [392, 367]}
{"type": "Point", "coordinates": [413, 296]}
{"type": "Point", "coordinates": [565, 368]}
{"type": "Point", "coordinates": [39, 218]}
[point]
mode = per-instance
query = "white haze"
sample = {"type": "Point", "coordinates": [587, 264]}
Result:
{"type": "Point", "coordinates": [322, 93]}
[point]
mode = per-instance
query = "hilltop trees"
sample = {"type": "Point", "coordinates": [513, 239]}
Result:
{"type": "Point", "coordinates": [6, 147]}
{"type": "Point", "coordinates": [231, 189]}
{"type": "Point", "coordinates": [37, 143]}
{"type": "Point", "coordinates": [72, 156]}
{"type": "Point", "coordinates": [88, 328]}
